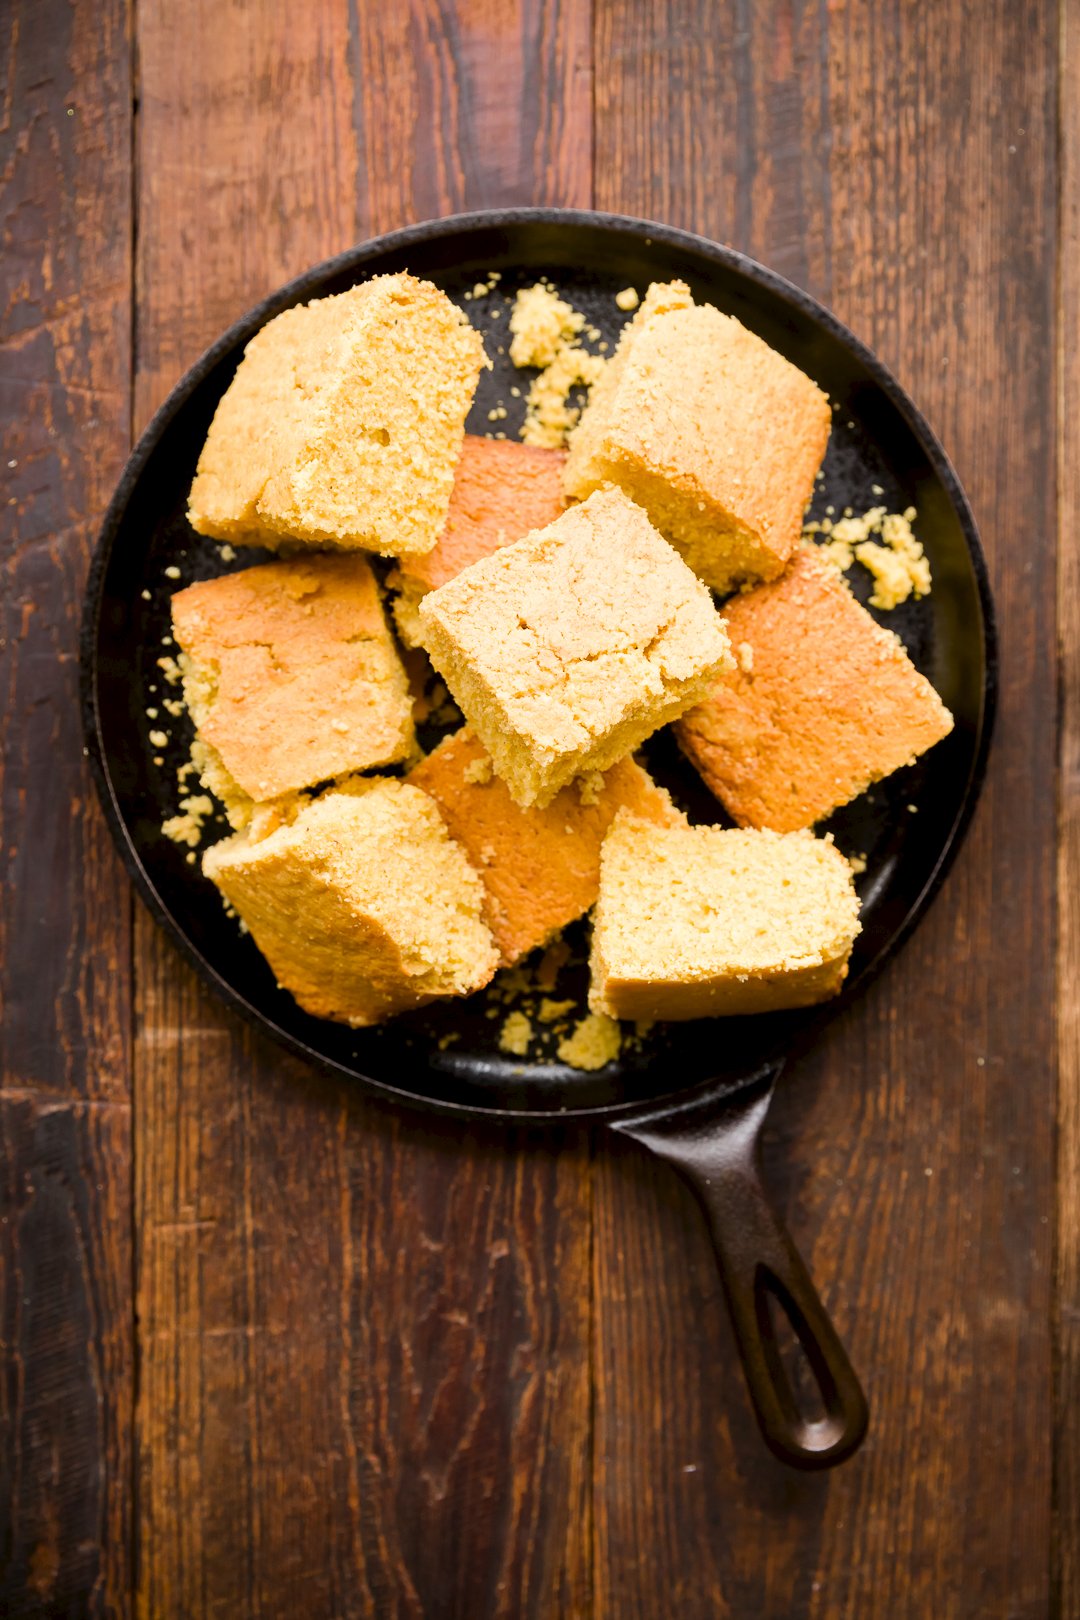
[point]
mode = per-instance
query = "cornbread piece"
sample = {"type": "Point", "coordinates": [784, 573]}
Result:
{"type": "Point", "coordinates": [363, 907]}
{"type": "Point", "coordinates": [711, 431]}
{"type": "Point", "coordinates": [565, 650]}
{"type": "Point", "coordinates": [694, 922]}
{"type": "Point", "coordinates": [291, 677]}
{"type": "Point", "coordinates": [343, 423]}
{"type": "Point", "coordinates": [541, 868]}
{"type": "Point", "coordinates": [501, 491]}
{"type": "Point", "coordinates": [827, 703]}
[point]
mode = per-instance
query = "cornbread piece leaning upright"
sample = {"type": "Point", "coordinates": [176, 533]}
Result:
{"type": "Point", "coordinates": [343, 423]}
{"type": "Point", "coordinates": [567, 649]}
{"type": "Point", "coordinates": [541, 868]}
{"type": "Point", "coordinates": [501, 490]}
{"type": "Point", "coordinates": [695, 922]}
{"type": "Point", "coordinates": [716, 435]}
{"type": "Point", "coordinates": [363, 907]}
{"type": "Point", "coordinates": [822, 702]}
{"type": "Point", "coordinates": [291, 677]}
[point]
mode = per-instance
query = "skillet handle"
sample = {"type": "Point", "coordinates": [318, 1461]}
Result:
{"type": "Point", "coordinates": [718, 1153]}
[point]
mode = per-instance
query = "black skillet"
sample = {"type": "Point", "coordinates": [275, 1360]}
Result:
{"type": "Point", "coordinates": [695, 1094]}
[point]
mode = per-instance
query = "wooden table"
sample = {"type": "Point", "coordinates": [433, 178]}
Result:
{"type": "Point", "coordinates": [270, 1349]}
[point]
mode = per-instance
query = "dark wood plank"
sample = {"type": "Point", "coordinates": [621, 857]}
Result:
{"type": "Point", "coordinates": [66, 1328]}
{"type": "Point", "coordinates": [899, 161]}
{"type": "Point", "coordinates": [1067, 1320]}
{"type": "Point", "coordinates": [365, 1351]}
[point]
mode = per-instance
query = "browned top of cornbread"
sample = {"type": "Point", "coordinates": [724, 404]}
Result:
{"type": "Point", "coordinates": [541, 868]}
{"type": "Point", "coordinates": [714, 415]}
{"type": "Point", "coordinates": [291, 673]}
{"type": "Point", "coordinates": [501, 491]}
{"type": "Point", "coordinates": [699, 920]}
{"type": "Point", "coordinates": [363, 906]}
{"type": "Point", "coordinates": [589, 633]}
{"type": "Point", "coordinates": [824, 703]}
{"type": "Point", "coordinates": [343, 423]}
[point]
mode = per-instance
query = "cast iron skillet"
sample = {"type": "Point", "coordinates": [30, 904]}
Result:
{"type": "Point", "coordinates": [695, 1094]}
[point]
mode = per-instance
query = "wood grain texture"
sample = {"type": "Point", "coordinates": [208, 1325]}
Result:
{"type": "Point", "coordinates": [1067, 1277]}
{"type": "Point", "coordinates": [899, 161]}
{"type": "Point", "coordinates": [66, 1324]}
{"type": "Point", "coordinates": [364, 1338]}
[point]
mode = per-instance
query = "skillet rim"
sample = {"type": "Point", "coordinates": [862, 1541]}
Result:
{"type": "Point", "coordinates": [352, 259]}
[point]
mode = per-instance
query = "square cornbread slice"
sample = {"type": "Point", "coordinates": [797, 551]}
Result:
{"type": "Point", "coordinates": [343, 423]}
{"type": "Point", "coordinates": [567, 649]}
{"type": "Point", "coordinates": [716, 435]}
{"type": "Point", "coordinates": [695, 922]}
{"type": "Point", "coordinates": [502, 490]}
{"type": "Point", "coordinates": [541, 868]}
{"type": "Point", "coordinates": [291, 677]}
{"type": "Point", "coordinates": [363, 906]}
{"type": "Point", "coordinates": [822, 702]}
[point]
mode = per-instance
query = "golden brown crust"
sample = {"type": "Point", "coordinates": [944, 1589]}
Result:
{"type": "Point", "coordinates": [716, 435]}
{"type": "Point", "coordinates": [541, 868]}
{"type": "Point", "coordinates": [291, 673]}
{"type": "Point", "coordinates": [343, 423]}
{"type": "Point", "coordinates": [825, 703]}
{"type": "Point", "coordinates": [567, 649]}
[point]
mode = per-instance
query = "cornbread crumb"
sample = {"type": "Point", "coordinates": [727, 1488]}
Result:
{"type": "Point", "coordinates": [627, 299]}
{"type": "Point", "coordinates": [590, 786]}
{"type": "Point", "coordinates": [551, 1011]}
{"type": "Point", "coordinates": [834, 703]}
{"type": "Point", "coordinates": [516, 1034]}
{"type": "Point", "coordinates": [172, 572]}
{"type": "Point", "coordinates": [478, 771]}
{"type": "Point", "coordinates": [171, 670]}
{"type": "Point", "coordinates": [187, 827]}
{"type": "Point", "coordinates": [857, 864]}
{"type": "Point", "coordinates": [541, 322]}
{"type": "Point", "coordinates": [896, 559]}
{"type": "Point", "coordinates": [363, 906]}
{"type": "Point", "coordinates": [159, 739]}
{"type": "Point", "coordinates": [708, 429]}
{"type": "Point", "coordinates": [547, 333]}
{"type": "Point", "coordinates": [343, 423]}
{"type": "Point", "coordinates": [596, 1040]}
{"type": "Point", "coordinates": [228, 553]}
{"type": "Point", "coordinates": [151, 714]}
{"type": "Point", "coordinates": [173, 706]}
{"type": "Point", "coordinates": [568, 649]}
{"type": "Point", "coordinates": [698, 922]}
{"type": "Point", "coordinates": [744, 653]}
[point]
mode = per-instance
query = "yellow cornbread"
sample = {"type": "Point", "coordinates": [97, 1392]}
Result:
{"type": "Point", "coordinates": [567, 649]}
{"type": "Point", "coordinates": [825, 702]}
{"type": "Point", "coordinates": [501, 491]}
{"type": "Point", "coordinates": [695, 922]}
{"type": "Point", "coordinates": [716, 435]}
{"type": "Point", "coordinates": [343, 423]}
{"type": "Point", "coordinates": [291, 677]}
{"type": "Point", "coordinates": [363, 907]}
{"type": "Point", "coordinates": [541, 868]}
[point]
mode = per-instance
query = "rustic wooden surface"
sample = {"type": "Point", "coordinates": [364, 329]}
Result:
{"type": "Point", "coordinates": [269, 1349]}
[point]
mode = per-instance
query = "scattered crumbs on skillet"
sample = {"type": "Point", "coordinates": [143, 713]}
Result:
{"type": "Point", "coordinates": [596, 1041]}
{"type": "Point", "coordinates": [857, 864]}
{"type": "Point", "coordinates": [895, 559]}
{"type": "Point", "coordinates": [550, 1012]}
{"type": "Point", "coordinates": [627, 299]}
{"type": "Point", "coordinates": [187, 827]}
{"type": "Point", "coordinates": [547, 334]}
{"type": "Point", "coordinates": [516, 1034]}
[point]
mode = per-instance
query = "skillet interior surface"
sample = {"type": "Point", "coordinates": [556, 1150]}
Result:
{"type": "Point", "coordinates": [880, 453]}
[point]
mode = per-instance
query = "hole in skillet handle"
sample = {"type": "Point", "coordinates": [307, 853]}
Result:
{"type": "Point", "coordinates": [816, 1415]}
